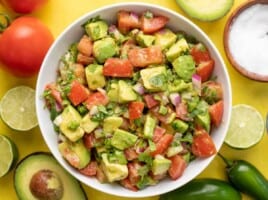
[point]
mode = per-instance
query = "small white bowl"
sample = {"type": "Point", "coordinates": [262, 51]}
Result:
{"type": "Point", "coordinates": [72, 34]}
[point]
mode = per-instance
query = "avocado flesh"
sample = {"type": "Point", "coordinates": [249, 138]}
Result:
{"type": "Point", "coordinates": [36, 162]}
{"type": "Point", "coordinates": [206, 10]}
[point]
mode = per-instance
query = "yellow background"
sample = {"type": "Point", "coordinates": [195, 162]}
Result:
{"type": "Point", "coordinates": [57, 14]}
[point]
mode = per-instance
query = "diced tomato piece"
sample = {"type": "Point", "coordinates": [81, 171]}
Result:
{"type": "Point", "coordinates": [96, 99]}
{"type": "Point", "coordinates": [55, 93]}
{"type": "Point", "coordinates": [127, 21]}
{"type": "Point", "coordinates": [89, 140]}
{"type": "Point", "coordinates": [101, 176]}
{"type": "Point", "coordinates": [205, 69]}
{"type": "Point", "coordinates": [200, 53]}
{"type": "Point", "coordinates": [85, 46]}
{"type": "Point", "coordinates": [78, 93]}
{"type": "Point", "coordinates": [133, 172]}
{"type": "Point", "coordinates": [178, 165]}
{"type": "Point", "coordinates": [117, 67]}
{"type": "Point", "coordinates": [182, 111]}
{"type": "Point", "coordinates": [150, 101]}
{"type": "Point", "coordinates": [84, 60]}
{"type": "Point", "coordinates": [142, 57]}
{"type": "Point", "coordinates": [131, 153]}
{"type": "Point", "coordinates": [135, 109]}
{"type": "Point", "coordinates": [153, 24]}
{"type": "Point", "coordinates": [162, 144]}
{"type": "Point", "coordinates": [203, 145]}
{"type": "Point", "coordinates": [127, 184]}
{"type": "Point", "coordinates": [90, 169]}
{"type": "Point", "coordinates": [216, 112]}
{"type": "Point", "coordinates": [212, 91]}
{"type": "Point", "coordinates": [158, 133]}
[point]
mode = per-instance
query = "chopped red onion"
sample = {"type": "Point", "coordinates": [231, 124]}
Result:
{"type": "Point", "coordinates": [197, 82]}
{"type": "Point", "coordinates": [175, 98]}
{"type": "Point", "coordinates": [138, 87]}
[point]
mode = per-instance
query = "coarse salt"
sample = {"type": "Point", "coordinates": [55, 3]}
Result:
{"type": "Point", "coordinates": [248, 39]}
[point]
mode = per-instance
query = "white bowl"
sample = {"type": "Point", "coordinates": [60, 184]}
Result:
{"type": "Point", "coordinates": [48, 74]}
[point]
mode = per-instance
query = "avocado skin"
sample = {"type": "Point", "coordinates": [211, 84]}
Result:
{"type": "Point", "coordinates": [72, 188]}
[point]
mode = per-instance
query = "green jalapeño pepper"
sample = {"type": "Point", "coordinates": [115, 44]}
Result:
{"type": "Point", "coordinates": [204, 188]}
{"type": "Point", "coordinates": [247, 178]}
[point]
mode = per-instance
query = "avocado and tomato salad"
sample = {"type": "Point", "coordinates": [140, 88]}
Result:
{"type": "Point", "coordinates": [39, 176]}
{"type": "Point", "coordinates": [134, 102]}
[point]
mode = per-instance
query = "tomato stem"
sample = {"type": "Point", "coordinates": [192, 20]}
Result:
{"type": "Point", "coordinates": [4, 22]}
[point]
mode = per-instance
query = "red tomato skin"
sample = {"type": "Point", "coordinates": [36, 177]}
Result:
{"type": "Point", "coordinates": [151, 25]}
{"type": "Point", "coordinates": [78, 93]}
{"type": "Point", "coordinates": [23, 46]}
{"type": "Point", "coordinates": [150, 101]}
{"type": "Point", "coordinates": [200, 53]}
{"type": "Point", "coordinates": [95, 99]}
{"type": "Point", "coordinates": [178, 165]}
{"type": "Point", "coordinates": [90, 169]}
{"type": "Point", "coordinates": [203, 145]}
{"type": "Point", "coordinates": [142, 57]}
{"type": "Point", "coordinates": [216, 112]}
{"type": "Point", "coordinates": [116, 67]}
{"type": "Point", "coordinates": [205, 69]}
{"type": "Point", "coordinates": [135, 109]}
{"type": "Point", "coordinates": [127, 21]}
{"type": "Point", "coordinates": [24, 6]}
{"type": "Point", "coordinates": [162, 144]}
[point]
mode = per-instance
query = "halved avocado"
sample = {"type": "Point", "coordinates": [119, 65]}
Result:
{"type": "Point", "coordinates": [39, 176]}
{"type": "Point", "coordinates": [206, 10]}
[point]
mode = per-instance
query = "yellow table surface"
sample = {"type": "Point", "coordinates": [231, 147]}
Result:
{"type": "Point", "coordinates": [58, 14]}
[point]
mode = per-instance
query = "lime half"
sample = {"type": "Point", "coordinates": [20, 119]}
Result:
{"type": "Point", "coordinates": [246, 127]}
{"type": "Point", "coordinates": [17, 108]}
{"type": "Point", "coordinates": [8, 155]}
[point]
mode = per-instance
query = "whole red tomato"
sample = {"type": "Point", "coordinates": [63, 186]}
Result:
{"type": "Point", "coordinates": [23, 6]}
{"type": "Point", "coordinates": [23, 46]}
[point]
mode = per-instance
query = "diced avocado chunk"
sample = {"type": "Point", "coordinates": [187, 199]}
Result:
{"type": "Point", "coordinates": [160, 165]}
{"type": "Point", "coordinates": [125, 92]}
{"type": "Point", "coordinates": [97, 30]}
{"type": "Point", "coordinates": [113, 171]}
{"type": "Point", "coordinates": [203, 117]}
{"type": "Point", "coordinates": [70, 124]}
{"type": "Point", "coordinates": [87, 124]}
{"type": "Point", "coordinates": [149, 127]}
{"type": "Point", "coordinates": [179, 126]}
{"type": "Point", "coordinates": [104, 48]}
{"type": "Point", "coordinates": [123, 139]}
{"type": "Point", "coordinates": [172, 151]}
{"type": "Point", "coordinates": [165, 38]}
{"type": "Point", "coordinates": [94, 76]}
{"type": "Point", "coordinates": [113, 93]}
{"type": "Point", "coordinates": [176, 49]}
{"type": "Point", "coordinates": [75, 153]}
{"type": "Point", "coordinates": [178, 86]}
{"type": "Point", "coordinates": [155, 78]}
{"type": "Point", "coordinates": [117, 156]}
{"type": "Point", "coordinates": [110, 124]}
{"type": "Point", "coordinates": [145, 40]}
{"type": "Point", "coordinates": [184, 67]}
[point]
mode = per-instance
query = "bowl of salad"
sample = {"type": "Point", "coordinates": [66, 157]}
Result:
{"type": "Point", "coordinates": [133, 100]}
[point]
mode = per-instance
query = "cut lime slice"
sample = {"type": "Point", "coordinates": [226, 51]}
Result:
{"type": "Point", "coordinates": [17, 108]}
{"type": "Point", "coordinates": [246, 127]}
{"type": "Point", "coordinates": [8, 155]}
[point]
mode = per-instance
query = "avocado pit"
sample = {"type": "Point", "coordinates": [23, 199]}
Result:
{"type": "Point", "coordinates": [46, 185]}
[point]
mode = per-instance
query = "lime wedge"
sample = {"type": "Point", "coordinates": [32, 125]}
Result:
{"type": "Point", "coordinates": [17, 108]}
{"type": "Point", "coordinates": [246, 127]}
{"type": "Point", "coordinates": [8, 155]}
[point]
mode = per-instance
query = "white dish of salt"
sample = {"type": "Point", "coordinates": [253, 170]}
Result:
{"type": "Point", "coordinates": [246, 39]}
